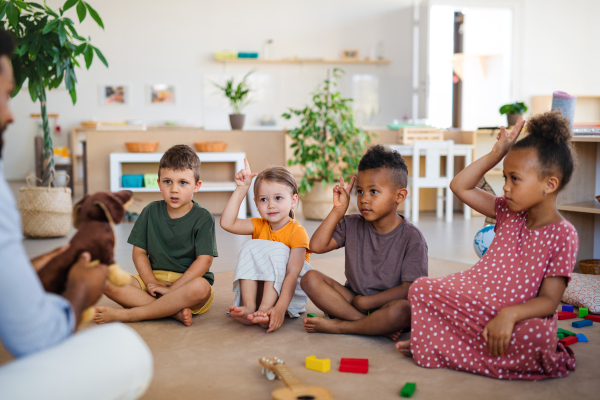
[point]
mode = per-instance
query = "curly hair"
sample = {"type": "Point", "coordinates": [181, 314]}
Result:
{"type": "Point", "coordinates": [379, 157]}
{"type": "Point", "coordinates": [550, 135]}
{"type": "Point", "coordinates": [179, 158]}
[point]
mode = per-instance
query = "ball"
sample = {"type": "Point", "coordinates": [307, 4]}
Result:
{"type": "Point", "coordinates": [483, 240]}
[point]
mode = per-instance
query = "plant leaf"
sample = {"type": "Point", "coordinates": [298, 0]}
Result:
{"type": "Point", "coordinates": [38, 6]}
{"type": "Point", "coordinates": [33, 90]}
{"type": "Point", "coordinates": [81, 11]}
{"type": "Point", "coordinates": [73, 94]}
{"type": "Point", "coordinates": [62, 34]}
{"type": "Point", "coordinates": [101, 56]}
{"type": "Point", "coordinates": [3, 9]}
{"type": "Point", "coordinates": [50, 25]}
{"type": "Point", "coordinates": [13, 13]}
{"type": "Point", "coordinates": [95, 15]}
{"type": "Point", "coordinates": [88, 54]}
{"type": "Point", "coordinates": [68, 4]}
{"type": "Point", "coordinates": [79, 49]}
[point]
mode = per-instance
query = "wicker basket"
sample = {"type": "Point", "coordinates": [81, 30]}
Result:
{"type": "Point", "coordinates": [409, 135]}
{"type": "Point", "coordinates": [46, 212]}
{"type": "Point", "coordinates": [210, 147]}
{"type": "Point", "coordinates": [142, 147]}
{"type": "Point", "coordinates": [591, 267]}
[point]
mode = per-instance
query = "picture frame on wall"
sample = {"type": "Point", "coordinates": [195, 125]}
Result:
{"type": "Point", "coordinates": [160, 93]}
{"type": "Point", "coordinates": [114, 95]}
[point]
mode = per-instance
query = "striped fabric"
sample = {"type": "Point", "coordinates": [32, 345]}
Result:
{"type": "Point", "coordinates": [266, 260]}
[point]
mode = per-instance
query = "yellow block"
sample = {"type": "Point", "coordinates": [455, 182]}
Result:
{"type": "Point", "coordinates": [312, 362]}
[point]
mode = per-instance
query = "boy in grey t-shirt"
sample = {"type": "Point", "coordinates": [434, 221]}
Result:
{"type": "Point", "coordinates": [385, 253]}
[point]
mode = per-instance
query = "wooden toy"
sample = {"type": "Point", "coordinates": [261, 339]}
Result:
{"type": "Point", "coordinates": [569, 340]}
{"type": "Point", "coordinates": [581, 337]}
{"type": "Point", "coordinates": [312, 314]}
{"type": "Point", "coordinates": [355, 365]}
{"type": "Point", "coordinates": [595, 318]}
{"type": "Point", "coordinates": [566, 332]}
{"type": "Point", "coordinates": [317, 364]}
{"type": "Point", "coordinates": [581, 324]}
{"type": "Point", "coordinates": [583, 312]}
{"type": "Point", "coordinates": [408, 389]}
{"type": "Point", "coordinates": [561, 335]}
{"type": "Point", "coordinates": [275, 367]}
{"type": "Point", "coordinates": [567, 307]}
{"type": "Point", "coordinates": [566, 315]}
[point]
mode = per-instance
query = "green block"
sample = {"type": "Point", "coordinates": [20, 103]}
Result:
{"type": "Point", "coordinates": [312, 314]}
{"type": "Point", "coordinates": [151, 180]}
{"type": "Point", "coordinates": [566, 332]}
{"type": "Point", "coordinates": [583, 312]}
{"type": "Point", "coordinates": [561, 335]}
{"type": "Point", "coordinates": [408, 389]}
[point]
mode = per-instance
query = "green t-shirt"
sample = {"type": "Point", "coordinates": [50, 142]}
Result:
{"type": "Point", "coordinates": [174, 244]}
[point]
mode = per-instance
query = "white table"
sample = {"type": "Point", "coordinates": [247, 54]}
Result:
{"type": "Point", "coordinates": [460, 150]}
{"type": "Point", "coordinates": [118, 159]}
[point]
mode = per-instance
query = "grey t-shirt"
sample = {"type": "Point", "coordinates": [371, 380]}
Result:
{"type": "Point", "coordinates": [376, 262]}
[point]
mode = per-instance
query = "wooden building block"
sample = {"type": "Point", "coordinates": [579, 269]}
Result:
{"type": "Point", "coordinates": [569, 340]}
{"type": "Point", "coordinates": [567, 307]}
{"type": "Point", "coordinates": [566, 315]}
{"type": "Point", "coordinates": [355, 365]}
{"type": "Point", "coordinates": [595, 318]}
{"type": "Point", "coordinates": [582, 323]}
{"type": "Point", "coordinates": [408, 389]}
{"type": "Point", "coordinates": [316, 364]}
{"type": "Point", "coordinates": [583, 312]}
{"type": "Point", "coordinates": [566, 332]}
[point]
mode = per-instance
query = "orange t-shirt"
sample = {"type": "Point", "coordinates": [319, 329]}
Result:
{"type": "Point", "coordinates": [292, 234]}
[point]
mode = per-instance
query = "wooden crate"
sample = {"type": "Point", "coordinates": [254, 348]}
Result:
{"type": "Point", "coordinates": [409, 135]}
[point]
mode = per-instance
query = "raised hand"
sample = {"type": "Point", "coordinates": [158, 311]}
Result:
{"type": "Point", "coordinates": [507, 139]}
{"type": "Point", "coordinates": [244, 176]}
{"type": "Point", "coordinates": [341, 194]}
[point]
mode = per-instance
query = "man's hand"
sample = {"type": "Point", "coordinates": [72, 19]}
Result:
{"type": "Point", "coordinates": [341, 194]}
{"type": "Point", "coordinates": [40, 262]}
{"type": "Point", "coordinates": [506, 139]}
{"type": "Point", "coordinates": [359, 303]}
{"type": "Point", "coordinates": [498, 331]}
{"type": "Point", "coordinates": [276, 317]}
{"type": "Point", "coordinates": [88, 282]}
{"type": "Point", "coordinates": [245, 176]}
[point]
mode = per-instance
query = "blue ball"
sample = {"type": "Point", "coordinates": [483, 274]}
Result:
{"type": "Point", "coordinates": [483, 240]}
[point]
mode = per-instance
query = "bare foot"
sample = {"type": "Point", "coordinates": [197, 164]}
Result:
{"type": "Point", "coordinates": [241, 314]}
{"type": "Point", "coordinates": [261, 318]}
{"type": "Point", "coordinates": [109, 314]}
{"type": "Point", "coordinates": [394, 336]}
{"type": "Point", "coordinates": [323, 325]}
{"type": "Point", "coordinates": [404, 348]}
{"type": "Point", "coordinates": [184, 316]}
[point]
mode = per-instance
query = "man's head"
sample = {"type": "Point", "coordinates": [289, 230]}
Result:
{"type": "Point", "coordinates": [7, 83]}
{"type": "Point", "coordinates": [381, 182]}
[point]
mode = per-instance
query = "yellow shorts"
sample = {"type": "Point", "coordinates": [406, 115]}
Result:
{"type": "Point", "coordinates": [170, 276]}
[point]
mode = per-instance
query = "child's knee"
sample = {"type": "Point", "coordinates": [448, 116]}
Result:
{"type": "Point", "coordinates": [400, 311]}
{"type": "Point", "coordinates": [198, 289]}
{"type": "Point", "coordinates": [309, 280]}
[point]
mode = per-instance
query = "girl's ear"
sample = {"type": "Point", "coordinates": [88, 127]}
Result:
{"type": "Point", "coordinates": [294, 200]}
{"type": "Point", "coordinates": [552, 183]}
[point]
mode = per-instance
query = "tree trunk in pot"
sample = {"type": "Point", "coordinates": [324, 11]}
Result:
{"type": "Point", "coordinates": [512, 119]}
{"type": "Point", "coordinates": [237, 121]}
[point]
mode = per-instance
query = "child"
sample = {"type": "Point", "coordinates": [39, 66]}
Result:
{"type": "Point", "coordinates": [385, 253]}
{"type": "Point", "coordinates": [173, 247]}
{"type": "Point", "coordinates": [498, 318]}
{"type": "Point", "coordinates": [269, 266]}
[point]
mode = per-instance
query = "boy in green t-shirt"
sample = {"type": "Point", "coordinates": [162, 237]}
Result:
{"type": "Point", "coordinates": [173, 247]}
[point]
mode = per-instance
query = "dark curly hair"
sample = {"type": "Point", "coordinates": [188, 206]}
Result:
{"type": "Point", "coordinates": [379, 157]}
{"type": "Point", "coordinates": [550, 135]}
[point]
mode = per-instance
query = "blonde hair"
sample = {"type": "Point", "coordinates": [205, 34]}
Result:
{"type": "Point", "coordinates": [277, 175]}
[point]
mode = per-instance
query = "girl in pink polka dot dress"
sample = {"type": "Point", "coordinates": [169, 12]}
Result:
{"type": "Point", "coordinates": [498, 318]}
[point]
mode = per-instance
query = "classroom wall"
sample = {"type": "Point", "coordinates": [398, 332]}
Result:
{"type": "Point", "coordinates": [155, 41]}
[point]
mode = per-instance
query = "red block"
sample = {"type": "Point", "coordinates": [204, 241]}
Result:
{"type": "Point", "coordinates": [566, 315]}
{"type": "Point", "coordinates": [355, 365]}
{"type": "Point", "coordinates": [569, 340]}
{"type": "Point", "coordinates": [595, 318]}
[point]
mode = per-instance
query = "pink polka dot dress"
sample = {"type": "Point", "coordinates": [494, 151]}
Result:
{"type": "Point", "coordinates": [449, 313]}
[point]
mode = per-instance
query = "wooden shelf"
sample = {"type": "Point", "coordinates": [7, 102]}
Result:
{"type": "Point", "coordinates": [586, 138]}
{"type": "Point", "coordinates": [206, 187]}
{"type": "Point", "coordinates": [302, 61]}
{"type": "Point", "coordinates": [588, 207]}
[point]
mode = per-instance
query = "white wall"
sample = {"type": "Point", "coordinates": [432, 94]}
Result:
{"type": "Point", "coordinates": [154, 41]}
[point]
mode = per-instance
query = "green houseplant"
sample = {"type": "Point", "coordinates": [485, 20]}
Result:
{"type": "Point", "coordinates": [47, 48]}
{"type": "Point", "coordinates": [513, 111]}
{"type": "Point", "coordinates": [238, 99]}
{"type": "Point", "coordinates": [327, 144]}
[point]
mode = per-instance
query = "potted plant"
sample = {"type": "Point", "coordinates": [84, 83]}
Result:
{"type": "Point", "coordinates": [513, 112]}
{"type": "Point", "coordinates": [238, 99]}
{"type": "Point", "coordinates": [327, 145]}
{"type": "Point", "coordinates": [47, 47]}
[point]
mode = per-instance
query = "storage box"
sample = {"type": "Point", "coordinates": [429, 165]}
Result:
{"type": "Point", "coordinates": [151, 180]}
{"type": "Point", "coordinates": [132, 181]}
{"type": "Point", "coordinates": [408, 135]}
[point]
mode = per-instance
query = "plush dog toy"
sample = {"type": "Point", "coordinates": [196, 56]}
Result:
{"type": "Point", "coordinates": [93, 217]}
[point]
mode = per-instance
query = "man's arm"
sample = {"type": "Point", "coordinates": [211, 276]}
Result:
{"type": "Point", "coordinates": [365, 303]}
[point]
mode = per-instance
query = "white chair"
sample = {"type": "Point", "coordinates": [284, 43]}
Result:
{"type": "Point", "coordinates": [434, 150]}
